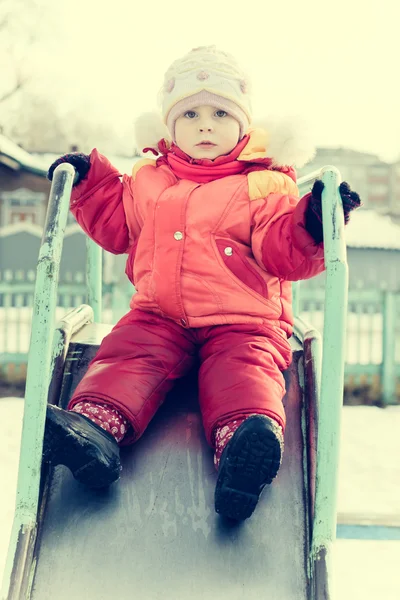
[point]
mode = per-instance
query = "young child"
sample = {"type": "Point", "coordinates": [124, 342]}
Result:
{"type": "Point", "coordinates": [214, 232]}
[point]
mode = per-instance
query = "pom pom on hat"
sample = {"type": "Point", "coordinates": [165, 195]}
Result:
{"type": "Point", "coordinates": [149, 130]}
{"type": "Point", "coordinates": [289, 140]}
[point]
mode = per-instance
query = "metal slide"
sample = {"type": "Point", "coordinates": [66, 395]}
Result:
{"type": "Point", "coordinates": [154, 534]}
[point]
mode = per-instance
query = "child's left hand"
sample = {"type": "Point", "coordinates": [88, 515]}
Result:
{"type": "Point", "coordinates": [351, 200]}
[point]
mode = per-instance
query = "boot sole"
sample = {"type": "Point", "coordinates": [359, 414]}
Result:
{"type": "Point", "coordinates": [77, 451]}
{"type": "Point", "coordinates": [252, 461]}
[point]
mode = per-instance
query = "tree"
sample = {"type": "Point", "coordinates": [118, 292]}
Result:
{"type": "Point", "coordinates": [32, 117]}
{"type": "Point", "coordinates": [19, 26]}
{"type": "Point", "coordinates": [38, 125]}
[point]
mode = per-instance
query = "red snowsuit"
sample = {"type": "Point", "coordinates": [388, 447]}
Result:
{"type": "Point", "coordinates": [212, 247]}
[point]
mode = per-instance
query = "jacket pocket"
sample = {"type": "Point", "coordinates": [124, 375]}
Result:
{"type": "Point", "coordinates": [130, 262]}
{"type": "Point", "coordinates": [240, 267]}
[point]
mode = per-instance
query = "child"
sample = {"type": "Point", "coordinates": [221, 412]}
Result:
{"type": "Point", "coordinates": [214, 232]}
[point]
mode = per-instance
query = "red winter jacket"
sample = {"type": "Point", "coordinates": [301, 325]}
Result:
{"type": "Point", "coordinates": [208, 242]}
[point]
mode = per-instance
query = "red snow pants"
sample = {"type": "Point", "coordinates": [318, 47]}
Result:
{"type": "Point", "coordinates": [139, 361]}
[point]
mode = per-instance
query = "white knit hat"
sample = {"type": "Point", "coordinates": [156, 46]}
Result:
{"type": "Point", "coordinates": [206, 76]}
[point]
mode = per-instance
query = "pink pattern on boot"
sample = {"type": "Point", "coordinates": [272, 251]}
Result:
{"type": "Point", "coordinates": [223, 435]}
{"type": "Point", "coordinates": [105, 416]}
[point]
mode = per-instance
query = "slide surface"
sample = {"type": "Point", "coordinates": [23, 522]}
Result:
{"type": "Point", "coordinates": [154, 534]}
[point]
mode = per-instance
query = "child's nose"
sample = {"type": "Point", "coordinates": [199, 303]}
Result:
{"type": "Point", "coordinates": [204, 126]}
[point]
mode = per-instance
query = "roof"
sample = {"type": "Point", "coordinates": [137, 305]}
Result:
{"type": "Point", "coordinates": [16, 158]}
{"type": "Point", "coordinates": [345, 151]}
{"type": "Point", "coordinates": [369, 229]}
{"type": "Point", "coordinates": [123, 163]}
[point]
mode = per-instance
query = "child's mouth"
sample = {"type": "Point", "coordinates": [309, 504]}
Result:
{"type": "Point", "coordinates": [206, 144]}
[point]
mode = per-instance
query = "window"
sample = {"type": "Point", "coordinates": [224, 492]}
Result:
{"type": "Point", "coordinates": [378, 189]}
{"type": "Point", "coordinates": [22, 197]}
{"type": "Point", "coordinates": [23, 201]}
{"type": "Point", "coordinates": [17, 217]}
{"type": "Point", "coordinates": [378, 170]}
{"type": "Point", "coordinates": [375, 199]}
{"type": "Point", "coordinates": [22, 205]}
{"type": "Point", "coordinates": [375, 179]}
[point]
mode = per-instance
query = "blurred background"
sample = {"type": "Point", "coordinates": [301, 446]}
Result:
{"type": "Point", "coordinates": [75, 75]}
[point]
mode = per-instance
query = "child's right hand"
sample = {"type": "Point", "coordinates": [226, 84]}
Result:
{"type": "Point", "coordinates": [80, 161]}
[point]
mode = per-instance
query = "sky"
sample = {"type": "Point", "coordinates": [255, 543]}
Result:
{"type": "Point", "coordinates": [333, 65]}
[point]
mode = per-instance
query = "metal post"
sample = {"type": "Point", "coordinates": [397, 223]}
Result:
{"type": "Point", "coordinates": [388, 348]}
{"type": "Point", "coordinates": [330, 409]}
{"type": "Point", "coordinates": [94, 274]}
{"type": "Point", "coordinates": [23, 532]}
{"type": "Point", "coordinates": [296, 298]}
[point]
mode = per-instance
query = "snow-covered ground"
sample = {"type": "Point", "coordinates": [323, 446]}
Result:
{"type": "Point", "coordinates": [369, 487]}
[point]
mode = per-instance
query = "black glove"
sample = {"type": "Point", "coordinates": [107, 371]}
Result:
{"type": "Point", "coordinates": [80, 161]}
{"type": "Point", "coordinates": [313, 217]}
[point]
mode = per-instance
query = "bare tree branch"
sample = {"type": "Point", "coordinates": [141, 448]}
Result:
{"type": "Point", "coordinates": [4, 22]}
{"type": "Point", "coordinates": [20, 84]}
{"type": "Point", "coordinates": [5, 18]}
{"type": "Point", "coordinates": [17, 36]}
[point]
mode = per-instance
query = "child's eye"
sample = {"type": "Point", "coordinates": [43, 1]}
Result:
{"type": "Point", "coordinates": [221, 113]}
{"type": "Point", "coordinates": [190, 114]}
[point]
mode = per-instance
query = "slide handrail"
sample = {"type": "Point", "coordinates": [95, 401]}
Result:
{"type": "Point", "coordinates": [332, 379]}
{"type": "Point", "coordinates": [23, 533]}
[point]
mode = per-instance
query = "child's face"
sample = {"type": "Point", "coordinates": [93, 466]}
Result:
{"type": "Point", "coordinates": [206, 124]}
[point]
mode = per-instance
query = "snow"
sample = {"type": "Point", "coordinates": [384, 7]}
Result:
{"type": "Point", "coordinates": [367, 570]}
{"type": "Point", "coordinates": [369, 475]}
{"type": "Point", "coordinates": [11, 411]}
{"type": "Point", "coordinates": [369, 479]}
{"type": "Point", "coordinates": [42, 161]}
{"type": "Point", "coordinates": [9, 148]}
{"type": "Point", "coordinates": [369, 229]}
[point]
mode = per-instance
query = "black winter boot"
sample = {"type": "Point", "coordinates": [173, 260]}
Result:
{"type": "Point", "coordinates": [73, 440]}
{"type": "Point", "coordinates": [250, 461]}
